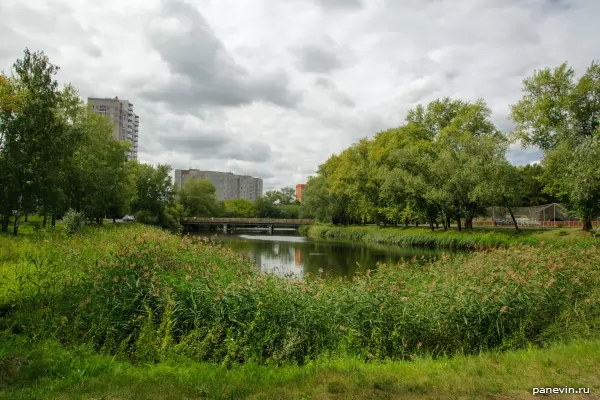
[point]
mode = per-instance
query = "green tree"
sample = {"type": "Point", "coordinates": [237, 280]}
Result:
{"type": "Point", "coordinates": [198, 197]}
{"type": "Point", "coordinates": [33, 137]}
{"type": "Point", "coordinates": [561, 115]}
{"type": "Point", "coordinates": [239, 208]}
{"type": "Point", "coordinates": [154, 193]}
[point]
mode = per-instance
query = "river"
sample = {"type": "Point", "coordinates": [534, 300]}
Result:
{"type": "Point", "coordinates": [291, 255]}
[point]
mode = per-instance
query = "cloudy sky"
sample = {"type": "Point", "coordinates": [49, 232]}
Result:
{"type": "Point", "coordinates": [271, 88]}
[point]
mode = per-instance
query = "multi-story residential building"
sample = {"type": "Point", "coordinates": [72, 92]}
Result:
{"type": "Point", "coordinates": [300, 191]}
{"type": "Point", "coordinates": [229, 186]}
{"type": "Point", "coordinates": [126, 122]}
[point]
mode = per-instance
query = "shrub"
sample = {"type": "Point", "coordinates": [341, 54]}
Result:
{"type": "Point", "coordinates": [73, 221]}
{"type": "Point", "coordinates": [146, 217]}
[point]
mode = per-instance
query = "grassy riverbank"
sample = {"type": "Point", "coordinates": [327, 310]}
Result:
{"type": "Point", "coordinates": [479, 238]}
{"type": "Point", "coordinates": [141, 295]}
{"type": "Point", "coordinates": [47, 370]}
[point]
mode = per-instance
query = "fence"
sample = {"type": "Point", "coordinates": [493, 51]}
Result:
{"type": "Point", "coordinates": [553, 215]}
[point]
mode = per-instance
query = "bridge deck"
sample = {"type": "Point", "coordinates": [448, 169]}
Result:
{"type": "Point", "coordinates": [246, 221]}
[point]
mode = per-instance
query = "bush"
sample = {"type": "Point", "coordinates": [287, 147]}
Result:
{"type": "Point", "coordinates": [146, 217]}
{"type": "Point", "coordinates": [74, 221]}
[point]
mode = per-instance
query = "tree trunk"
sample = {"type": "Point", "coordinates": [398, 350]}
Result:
{"type": "Point", "coordinates": [469, 223]}
{"type": "Point", "coordinates": [587, 224]}
{"type": "Point", "coordinates": [114, 220]}
{"type": "Point", "coordinates": [431, 225]}
{"type": "Point", "coordinates": [406, 222]}
{"type": "Point", "coordinates": [44, 220]}
{"type": "Point", "coordinates": [444, 224]}
{"type": "Point", "coordinates": [5, 223]}
{"type": "Point", "coordinates": [26, 215]}
{"type": "Point", "coordinates": [448, 221]}
{"type": "Point", "coordinates": [512, 216]}
{"type": "Point", "coordinates": [97, 220]}
{"type": "Point", "coordinates": [459, 223]}
{"type": "Point", "coordinates": [17, 217]}
{"type": "Point", "coordinates": [53, 220]}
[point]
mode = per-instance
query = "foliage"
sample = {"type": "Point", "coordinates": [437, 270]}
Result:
{"type": "Point", "coordinates": [73, 221]}
{"type": "Point", "coordinates": [560, 116]}
{"type": "Point", "coordinates": [239, 208]}
{"type": "Point", "coordinates": [438, 166]}
{"type": "Point", "coordinates": [198, 198]}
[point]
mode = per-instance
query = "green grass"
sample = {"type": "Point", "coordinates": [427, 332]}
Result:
{"type": "Point", "coordinates": [46, 370]}
{"type": "Point", "coordinates": [476, 239]}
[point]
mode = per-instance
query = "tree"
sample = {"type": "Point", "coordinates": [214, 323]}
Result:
{"type": "Point", "coordinates": [533, 186]}
{"type": "Point", "coordinates": [155, 192]}
{"type": "Point", "coordinates": [198, 197]}
{"type": "Point", "coordinates": [560, 115]}
{"type": "Point", "coordinates": [287, 196]}
{"type": "Point", "coordinates": [239, 208]}
{"type": "Point", "coordinates": [579, 179]}
{"type": "Point", "coordinates": [33, 137]}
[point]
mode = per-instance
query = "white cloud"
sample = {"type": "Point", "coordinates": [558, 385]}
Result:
{"type": "Point", "coordinates": [273, 88]}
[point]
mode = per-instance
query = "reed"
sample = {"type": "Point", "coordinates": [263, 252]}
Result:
{"type": "Point", "coordinates": [146, 295]}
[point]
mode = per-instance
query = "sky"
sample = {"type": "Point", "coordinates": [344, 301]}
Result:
{"type": "Point", "coordinates": [272, 88]}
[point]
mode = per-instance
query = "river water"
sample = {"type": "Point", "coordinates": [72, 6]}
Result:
{"type": "Point", "coordinates": [291, 255]}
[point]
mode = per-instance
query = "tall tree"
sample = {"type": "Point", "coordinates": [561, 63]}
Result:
{"type": "Point", "coordinates": [562, 116]}
{"type": "Point", "coordinates": [32, 139]}
{"type": "Point", "coordinates": [198, 197]}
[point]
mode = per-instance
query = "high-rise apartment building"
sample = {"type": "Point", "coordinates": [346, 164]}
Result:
{"type": "Point", "coordinates": [229, 186]}
{"type": "Point", "coordinates": [126, 122]}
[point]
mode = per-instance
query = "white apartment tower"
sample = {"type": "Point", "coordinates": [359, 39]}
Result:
{"type": "Point", "coordinates": [126, 122]}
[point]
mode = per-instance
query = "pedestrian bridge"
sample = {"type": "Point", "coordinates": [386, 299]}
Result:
{"type": "Point", "coordinates": [230, 224]}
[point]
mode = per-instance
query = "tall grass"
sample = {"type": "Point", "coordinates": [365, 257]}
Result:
{"type": "Point", "coordinates": [416, 237]}
{"type": "Point", "coordinates": [146, 295]}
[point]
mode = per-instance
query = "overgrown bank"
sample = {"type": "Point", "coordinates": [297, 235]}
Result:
{"type": "Point", "coordinates": [467, 240]}
{"type": "Point", "coordinates": [145, 295]}
{"type": "Point", "coordinates": [46, 370]}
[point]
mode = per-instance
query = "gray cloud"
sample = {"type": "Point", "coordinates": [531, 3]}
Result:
{"type": "Point", "coordinates": [203, 72]}
{"type": "Point", "coordinates": [273, 88]}
{"type": "Point", "coordinates": [340, 4]}
{"type": "Point", "coordinates": [339, 97]}
{"type": "Point", "coordinates": [318, 59]}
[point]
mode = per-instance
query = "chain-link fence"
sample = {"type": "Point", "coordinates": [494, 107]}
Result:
{"type": "Point", "coordinates": [547, 215]}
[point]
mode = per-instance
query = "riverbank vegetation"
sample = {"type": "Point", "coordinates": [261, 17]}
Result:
{"type": "Point", "coordinates": [135, 294]}
{"type": "Point", "coordinates": [475, 239]}
{"type": "Point", "coordinates": [145, 295]}
{"type": "Point", "coordinates": [448, 161]}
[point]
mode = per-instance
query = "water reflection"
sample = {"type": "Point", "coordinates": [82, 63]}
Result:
{"type": "Point", "coordinates": [293, 256]}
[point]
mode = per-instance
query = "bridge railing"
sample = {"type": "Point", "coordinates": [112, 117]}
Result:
{"type": "Point", "coordinates": [248, 220]}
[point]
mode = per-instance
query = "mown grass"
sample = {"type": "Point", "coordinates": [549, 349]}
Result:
{"type": "Point", "coordinates": [476, 239]}
{"type": "Point", "coordinates": [147, 296]}
{"type": "Point", "coordinates": [44, 369]}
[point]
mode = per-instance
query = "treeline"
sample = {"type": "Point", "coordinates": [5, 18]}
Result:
{"type": "Point", "coordinates": [56, 154]}
{"type": "Point", "coordinates": [448, 161]}
{"type": "Point", "coordinates": [198, 199]}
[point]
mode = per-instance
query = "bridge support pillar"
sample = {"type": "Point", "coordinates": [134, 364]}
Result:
{"type": "Point", "coordinates": [270, 229]}
{"type": "Point", "coordinates": [225, 228]}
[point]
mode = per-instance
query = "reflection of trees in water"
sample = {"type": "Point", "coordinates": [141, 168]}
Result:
{"type": "Point", "coordinates": [336, 258]}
